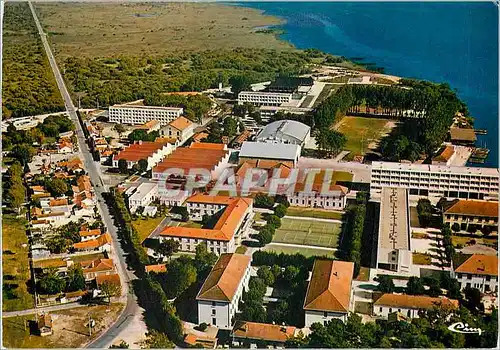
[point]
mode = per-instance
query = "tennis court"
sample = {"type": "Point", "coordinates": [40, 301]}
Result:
{"type": "Point", "coordinates": [308, 232]}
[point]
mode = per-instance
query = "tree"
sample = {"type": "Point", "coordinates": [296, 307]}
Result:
{"type": "Point", "coordinates": [253, 311]}
{"type": "Point", "coordinates": [76, 279]}
{"type": "Point", "coordinates": [203, 257]}
{"type": "Point", "coordinates": [120, 129]}
{"type": "Point", "coordinates": [24, 153]}
{"type": "Point", "coordinates": [280, 210]}
{"type": "Point", "coordinates": [486, 230]}
{"type": "Point", "coordinates": [157, 340]}
{"type": "Point", "coordinates": [239, 83]}
{"type": "Point", "coordinates": [50, 282]}
{"type": "Point", "coordinates": [265, 235]}
{"type": "Point", "coordinates": [179, 276]}
{"type": "Point", "coordinates": [274, 221]}
{"type": "Point", "coordinates": [262, 200]}
{"type": "Point", "coordinates": [455, 227]}
{"type": "Point", "coordinates": [424, 210]}
{"type": "Point", "coordinates": [167, 248]}
{"type": "Point", "coordinates": [143, 165]}
{"type": "Point", "coordinates": [123, 166]}
{"type": "Point", "coordinates": [122, 344]}
{"type": "Point", "coordinates": [473, 299]}
{"type": "Point", "coordinates": [109, 289]}
{"type": "Point", "coordinates": [330, 141]}
{"type": "Point", "coordinates": [385, 284]}
{"type": "Point", "coordinates": [290, 273]}
{"type": "Point", "coordinates": [182, 211]}
{"type": "Point", "coordinates": [265, 274]}
{"type": "Point", "coordinates": [415, 286]}
{"type": "Point", "coordinates": [56, 187]}
{"type": "Point", "coordinates": [230, 127]}
{"type": "Point", "coordinates": [16, 196]}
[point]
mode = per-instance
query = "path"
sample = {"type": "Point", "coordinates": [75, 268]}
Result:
{"type": "Point", "coordinates": [42, 309]}
{"type": "Point", "coordinates": [305, 218]}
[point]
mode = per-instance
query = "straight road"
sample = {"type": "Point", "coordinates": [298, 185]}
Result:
{"type": "Point", "coordinates": [131, 307]}
{"type": "Point", "coordinates": [42, 309]}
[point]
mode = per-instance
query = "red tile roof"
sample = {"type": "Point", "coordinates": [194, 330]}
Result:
{"type": "Point", "coordinates": [480, 265]}
{"type": "Point", "coordinates": [415, 301]}
{"type": "Point", "coordinates": [473, 207]}
{"type": "Point", "coordinates": [262, 331]}
{"type": "Point", "coordinates": [93, 243]}
{"type": "Point", "coordinates": [222, 282]}
{"type": "Point", "coordinates": [138, 151]}
{"type": "Point", "coordinates": [112, 278]}
{"type": "Point", "coordinates": [181, 123]}
{"type": "Point", "coordinates": [155, 268]}
{"type": "Point", "coordinates": [330, 286]}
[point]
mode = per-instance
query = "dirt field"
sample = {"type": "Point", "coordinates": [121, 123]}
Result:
{"type": "Point", "coordinates": [70, 327]}
{"type": "Point", "coordinates": [110, 29]}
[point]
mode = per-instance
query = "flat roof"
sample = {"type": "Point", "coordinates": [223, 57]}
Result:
{"type": "Point", "coordinates": [393, 223]}
{"type": "Point", "coordinates": [143, 189]}
{"type": "Point", "coordinates": [269, 150]}
{"type": "Point", "coordinates": [284, 128]}
{"type": "Point", "coordinates": [435, 168]}
{"type": "Point", "coordinates": [178, 109]}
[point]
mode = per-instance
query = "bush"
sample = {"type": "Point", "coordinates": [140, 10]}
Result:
{"type": "Point", "coordinates": [274, 221]}
{"type": "Point", "coordinates": [202, 327]}
{"type": "Point", "coordinates": [280, 210]}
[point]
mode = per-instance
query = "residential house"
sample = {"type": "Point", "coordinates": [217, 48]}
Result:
{"type": "Point", "coordinates": [64, 146]}
{"type": "Point", "coordinates": [87, 235]}
{"type": "Point", "coordinates": [101, 243]}
{"type": "Point", "coordinates": [97, 267]}
{"type": "Point", "coordinates": [158, 268]}
{"type": "Point", "coordinates": [411, 306]}
{"type": "Point", "coordinates": [329, 293]}
{"type": "Point", "coordinates": [195, 340]}
{"type": "Point", "coordinates": [181, 129]}
{"type": "Point", "coordinates": [478, 271]}
{"type": "Point", "coordinates": [252, 335]}
{"type": "Point", "coordinates": [152, 152]}
{"type": "Point", "coordinates": [222, 290]}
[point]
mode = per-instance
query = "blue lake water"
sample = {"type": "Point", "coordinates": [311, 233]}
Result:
{"type": "Point", "coordinates": [448, 42]}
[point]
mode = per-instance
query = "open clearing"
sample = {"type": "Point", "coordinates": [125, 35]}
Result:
{"type": "Point", "coordinates": [111, 29]}
{"type": "Point", "coordinates": [314, 213]}
{"type": "Point", "coordinates": [145, 226]}
{"type": "Point", "coordinates": [70, 327]}
{"type": "Point", "coordinates": [15, 264]}
{"type": "Point", "coordinates": [307, 252]}
{"type": "Point", "coordinates": [308, 232]}
{"type": "Point", "coordinates": [363, 133]}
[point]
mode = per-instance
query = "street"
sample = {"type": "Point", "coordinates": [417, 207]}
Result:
{"type": "Point", "coordinates": [131, 307]}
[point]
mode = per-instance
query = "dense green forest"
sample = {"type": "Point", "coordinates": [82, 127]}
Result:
{"type": "Point", "coordinates": [29, 86]}
{"type": "Point", "coordinates": [106, 81]}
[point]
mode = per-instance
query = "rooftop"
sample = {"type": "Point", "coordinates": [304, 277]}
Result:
{"type": "Point", "coordinates": [415, 301]}
{"type": "Point", "coordinates": [393, 223]}
{"type": "Point", "coordinates": [224, 278]}
{"type": "Point", "coordinates": [86, 233]}
{"type": "Point", "coordinates": [155, 268]}
{"type": "Point", "coordinates": [330, 286]}
{"type": "Point", "coordinates": [445, 155]}
{"type": "Point", "coordinates": [262, 331]}
{"type": "Point", "coordinates": [181, 123]}
{"type": "Point", "coordinates": [225, 227]}
{"type": "Point", "coordinates": [473, 207]}
{"type": "Point", "coordinates": [142, 190]}
{"type": "Point", "coordinates": [461, 134]}
{"type": "Point", "coordinates": [94, 243]}
{"type": "Point", "coordinates": [284, 129]}
{"type": "Point", "coordinates": [97, 265]}
{"type": "Point", "coordinates": [480, 265]}
{"type": "Point", "coordinates": [264, 150]}
{"type": "Point", "coordinates": [136, 106]}
{"type": "Point", "coordinates": [435, 168]}
{"type": "Point", "coordinates": [112, 279]}
{"type": "Point", "coordinates": [139, 150]}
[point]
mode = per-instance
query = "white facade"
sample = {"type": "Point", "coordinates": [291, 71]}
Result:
{"type": "Point", "coordinates": [188, 244]}
{"type": "Point", "coordinates": [260, 98]}
{"type": "Point", "coordinates": [484, 283]}
{"type": "Point", "coordinates": [323, 317]}
{"type": "Point", "coordinates": [136, 114]}
{"type": "Point", "coordinates": [315, 200]}
{"type": "Point", "coordinates": [435, 180]}
{"type": "Point", "coordinates": [146, 193]}
{"type": "Point", "coordinates": [220, 313]}
{"type": "Point", "coordinates": [384, 311]}
{"type": "Point", "coordinates": [181, 135]}
{"type": "Point", "coordinates": [153, 158]}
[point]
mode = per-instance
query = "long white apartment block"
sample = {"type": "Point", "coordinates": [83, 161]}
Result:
{"type": "Point", "coordinates": [435, 180]}
{"type": "Point", "coordinates": [261, 98]}
{"type": "Point", "coordinates": [137, 114]}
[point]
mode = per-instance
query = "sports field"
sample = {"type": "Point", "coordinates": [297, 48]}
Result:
{"type": "Point", "coordinates": [307, 252]}
{"type": "Point", "coordinates": [308, 232]}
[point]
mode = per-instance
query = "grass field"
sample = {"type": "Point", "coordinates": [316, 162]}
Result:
{"type": "Point", "coordinates": [314, 213]}
{"type": "Point", "coordinates": [15, 264]}
{"type": "Point", "coordinates": [363, 133]}
{"type": "Point", "coordinates": [462, 240]}
{"type": "Point", "coordinates": [241, 249]}
{"type": "Point", "coordinates": [422, 259]}
{"type": "Point", "coordinates": [70, 328]}
{"type": "Point", "coordinates": [145, 227]}
{"type": "Point", "coordinates": [308, 232]}
{"type": "Point", "coordinates": [111, 29]}
{"type": "Point", "coordinates": [307, 252]}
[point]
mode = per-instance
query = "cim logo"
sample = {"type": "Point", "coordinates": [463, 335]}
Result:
{"type": "Point", "coordinates": [460, 327]}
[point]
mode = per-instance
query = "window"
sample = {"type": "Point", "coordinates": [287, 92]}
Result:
{"type": "Point", "coordinates": [325, 314]}
{"type": "Point", "coordinates": [213, 303]}
{"type": "Point", "coordinates": [468, 285]}
{"type": "Point", "coordinates": [459, 275]}
{"type": "Point", "coordinates": [390, 309]}
{"type": "Point", "coordinates": [214, 321]}
{"type": "Point", "coordinates": [469, 277]}
{"type": "Point", "coordinates": [488, 278]}
{"type": "Point", "coordinates": [380, 309]}
{"type": "Point", "coordinates": [213, 312]}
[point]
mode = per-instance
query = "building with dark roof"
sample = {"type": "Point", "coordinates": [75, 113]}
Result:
{"type": "Point", "coordinates": [221, 292]}
{"type": "Point", "coordinates": [289, 84]}
{"type": "Point", "coordinates": [329, 292]}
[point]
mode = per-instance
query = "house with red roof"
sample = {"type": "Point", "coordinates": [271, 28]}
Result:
{"type": "Point", "coordinates": [152, 152]}
{"type": "Point", "coordinates": [478, 271]}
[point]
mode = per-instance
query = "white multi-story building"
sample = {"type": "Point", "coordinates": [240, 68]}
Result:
{"type": "Point", "coordinates": [261, 98]}
{"type": "Point", "coordinates": [221, 292]}
{"type": "Point", "coordinates": [329, 294]}
{"type": "Point", "coordinates": [233, 224]}
{"type": "Point", "coordinates": [478, 271]}
{"type": "Point", "coordinates": [435, 180]}
{"type": "Point", "coordinates": [137, 114]}
{"type": "Point", "coordinates": [145, 193]}
{"type": "Point", "coordinates": [394, 252]}
{"type": "Point", "coordinates": [410, 305]}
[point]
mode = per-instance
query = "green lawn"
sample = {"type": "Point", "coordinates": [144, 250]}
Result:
{"type": "Point", "coordinates": [308, 232]}
{"type": "Point", "coordinates": [15, 264]}
{"type": "Point", "coordinates": [192, 224]}
{"type": "Point", "coordinates": [314, 213]}
{"type": "Point", "coordinates": [307, 252]}
{"type": "Point", "coordinates": [462, 240]}
{"type": "Point", "coordinates": [422, 259]}
{"type": "Point", "coordinates": [241, 249]}
{"type": "Point", "coordinates": [360, 132]}
{"type": "Point", "coordinates": [145, 226]}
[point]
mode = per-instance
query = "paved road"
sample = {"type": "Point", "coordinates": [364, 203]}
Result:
{"type": "Point", "coordinates": [131, 307]}
{"type": "Point", "coordinates": [42, 309]}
